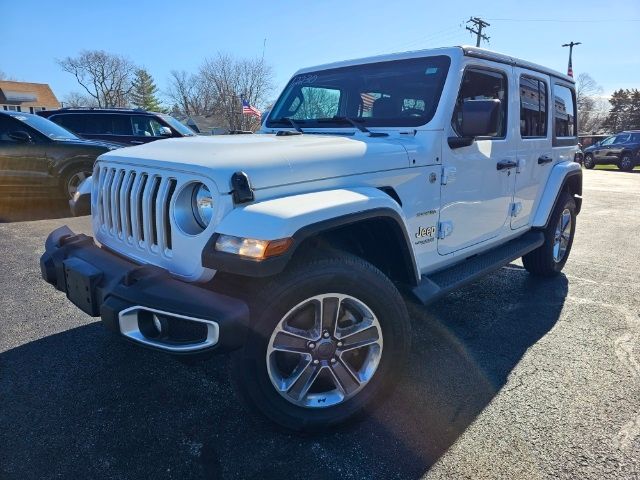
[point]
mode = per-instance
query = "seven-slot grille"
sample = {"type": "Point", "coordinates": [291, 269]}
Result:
{"type": "Point", "coordinates": [133, 207]}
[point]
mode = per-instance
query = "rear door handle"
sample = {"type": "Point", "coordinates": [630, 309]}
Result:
{"type": "Point", "coordinates": [506, 164]}
{"type": "Point", "coordinates": [544, 159]}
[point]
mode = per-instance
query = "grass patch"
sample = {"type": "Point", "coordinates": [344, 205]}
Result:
{"type": "Point", "coordinates": [611, 167]}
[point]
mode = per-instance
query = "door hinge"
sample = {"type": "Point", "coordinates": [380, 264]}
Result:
{"type": "Point", "coordinates": [448, 175]}
{"type": "Point", "coordinates": [444, 229]}
{"type": "Point", "coordinates": [515, 208]}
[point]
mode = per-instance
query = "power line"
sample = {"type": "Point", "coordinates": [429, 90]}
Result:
{"type": "Point", "coordinates": [479, 24]}
{"type": "Point", "coordinates": [556, 20]}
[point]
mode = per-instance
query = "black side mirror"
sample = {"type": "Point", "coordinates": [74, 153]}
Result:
{"type": "Point", "coordinates": [19, 136]}
{"type": "Point", "coordinates": [480, 117]}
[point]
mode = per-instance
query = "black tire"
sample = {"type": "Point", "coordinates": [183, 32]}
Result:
{"type": "Point", "coordinates": [73, 176]}
{"type": "Point", "coordinates": [589, 163]}
{"type": "Point", "coordinates": [333, 272]}
{"type": "Point", "coordinates": [626, 162]}
{"type": "Point", "coordinates": [541, 261]}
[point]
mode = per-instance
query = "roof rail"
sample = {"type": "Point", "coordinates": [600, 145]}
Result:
{"type": "Point", "coordinates": [105, 108]}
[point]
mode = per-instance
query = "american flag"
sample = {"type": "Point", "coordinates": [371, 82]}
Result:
{"type": "Point", "coordinates": [570, 69]}
{"type": "Point", "coordinates": [248, 109]}
{"type": "Point", "coordinates": [367, 101]}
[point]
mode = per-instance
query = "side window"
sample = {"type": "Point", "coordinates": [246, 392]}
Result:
{"type": "Point", "coordinates": [533, 107]}
{"type": "Point", "coordinates": [7, 125]}
{"type": "Point", "coordinates": [480, 84]}
{"type": "Point", "coordinates": [70, 122]}
{"type": "Point", "coordinates": [564, 111]}
{"type": "Point", "coordinates": [146, 126]}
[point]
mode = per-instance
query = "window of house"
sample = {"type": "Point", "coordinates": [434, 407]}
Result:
{"type": "Point", "coordinates": [564, 111]}
{"type": "Point", "coordinates": [533, 107]}
{"type": "Point", "coordinates": [478, 84]}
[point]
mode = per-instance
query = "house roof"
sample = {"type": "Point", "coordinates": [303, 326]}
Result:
{"type": "Point", "coordinates": [27, 94]}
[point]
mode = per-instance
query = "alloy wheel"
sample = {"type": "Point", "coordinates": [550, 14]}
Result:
{"type": "Point", "coordinates": [324, 350]}
{"type": "Point", "coordinates": [74, 182]}
{"type": "Point", "coordinates": [562, 236]}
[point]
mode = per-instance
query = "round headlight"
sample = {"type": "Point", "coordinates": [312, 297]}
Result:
{"type": "Point", "coordinates": [202, 205]}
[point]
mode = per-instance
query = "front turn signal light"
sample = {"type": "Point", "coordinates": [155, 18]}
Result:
{"type": "Point", "coordinates": [252, 248]}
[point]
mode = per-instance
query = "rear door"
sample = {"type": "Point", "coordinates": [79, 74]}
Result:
{"type": "Point", "coordinates": [479, 179]}
{"type": "Point", "coordinates": [535, 156]}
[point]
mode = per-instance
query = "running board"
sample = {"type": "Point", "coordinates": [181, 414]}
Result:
{"type": "Point", "coordinates": [444, 281]}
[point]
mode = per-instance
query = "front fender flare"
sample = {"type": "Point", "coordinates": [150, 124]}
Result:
{"type": "Point", "coordinates": [559, 178]}
{"type": "Point", "coordinates": [300, 217]}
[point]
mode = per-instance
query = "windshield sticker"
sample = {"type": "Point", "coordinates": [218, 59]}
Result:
{"type": "Point", "coordinates": [431, 71]}
{"type": "Point", "coordinates": [304, 80]}
{"type": "Point", "coordinates": [21, 117]}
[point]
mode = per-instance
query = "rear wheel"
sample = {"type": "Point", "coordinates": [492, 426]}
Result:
{"type": "Point", "coordinates": [589, 162]}
{"type": "Point", "coordinates": [549, 259]}
{"type": "Point", "coordinates": [329, 337]}
{"type": "Point", "coordinates": [626, 163]}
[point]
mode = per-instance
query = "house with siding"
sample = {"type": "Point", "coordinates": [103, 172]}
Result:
{"type": "Point", "coordinates": [26, 97]}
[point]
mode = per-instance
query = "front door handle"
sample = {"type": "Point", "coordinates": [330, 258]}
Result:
{"type": "Point", "coordinates": [506, 164]}
{"type": "Point", "coordinates": [544, 159]}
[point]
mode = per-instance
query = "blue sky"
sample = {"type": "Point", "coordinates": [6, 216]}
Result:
{"type": "Point", "coordinates": [163, 36]}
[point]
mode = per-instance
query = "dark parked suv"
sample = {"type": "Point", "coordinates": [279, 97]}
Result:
{"type": "Point", "coordinates": [39, 158]}
{"type": "Point", "coordinates": [621, 149]}
{"type": "Point", "coordinates": [121, 125]}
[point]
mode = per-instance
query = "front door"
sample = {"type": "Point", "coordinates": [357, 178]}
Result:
{"type": "Point", "coordinates": [478, 180]}
{"type": "Point", "coordinates": [22, 164]}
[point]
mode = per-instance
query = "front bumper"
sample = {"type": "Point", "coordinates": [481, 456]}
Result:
{"type": "Point", "coordinates": [141, 302]}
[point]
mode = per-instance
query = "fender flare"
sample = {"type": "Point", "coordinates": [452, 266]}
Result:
{"type": "Point", "coordinates": [561, 176]}
{"type": "Point", "coordinates": [301, 217]}
{"type": "Point", "coordinates": [70, 163]}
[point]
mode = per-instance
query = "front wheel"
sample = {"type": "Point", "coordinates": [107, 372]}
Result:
{"type": "Point", "coordinates": [330, 336]}
{"type": "Point", "coordinates": [626, 163]}
{"type": "Point", "coordinates": [549, 259]}
{"type": "Point", "coordinates": [72, 180]}
{"type": "Point", "coordinates": [589, 162]}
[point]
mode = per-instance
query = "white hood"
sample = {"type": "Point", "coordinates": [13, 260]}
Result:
{"type": "Point", "coordinates": [268, 160]}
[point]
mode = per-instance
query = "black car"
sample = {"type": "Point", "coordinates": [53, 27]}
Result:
{"type": "Point", "coordinates": [621, 149]}
{"type": "Point", "coordinates": [121, 125]}
{"type": "Point", "coordinates": [39, 158]}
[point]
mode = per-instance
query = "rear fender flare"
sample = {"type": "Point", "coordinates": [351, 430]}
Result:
{"type": "Point", "coordinates": [562, 176]}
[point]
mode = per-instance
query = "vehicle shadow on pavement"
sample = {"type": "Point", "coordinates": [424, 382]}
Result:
{"type": "Point", "coordinates": [86, 404]}
{"type": "Point", "coordinates": [24, 209]}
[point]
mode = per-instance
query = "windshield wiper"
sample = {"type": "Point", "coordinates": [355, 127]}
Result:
{"type": "Point", "coordinates": [290, 121]}
{"type": "Point", "coordinates": [355, 123]}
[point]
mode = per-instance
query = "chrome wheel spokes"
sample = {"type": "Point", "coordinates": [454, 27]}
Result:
{"type": "Point", "coordinates": [562, 236]}
{"type": "Point", "coordinates": [74, 182]}
{"type": "Point", "coordinates": [324, 350]}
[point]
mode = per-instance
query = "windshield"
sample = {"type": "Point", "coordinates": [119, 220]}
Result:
{"type": "Point", "coordinates": [399, 93]}
{"type": "Point", "coordinates": [46, 127]}
{"type": "Point", "coordinates": [178, 126]}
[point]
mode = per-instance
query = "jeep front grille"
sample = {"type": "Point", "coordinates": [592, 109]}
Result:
{"type": "Point", "coordinates": [133, 207]}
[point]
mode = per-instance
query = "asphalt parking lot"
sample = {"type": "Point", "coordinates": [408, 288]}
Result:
{"type": "Point", "coordinates": [511, 377]}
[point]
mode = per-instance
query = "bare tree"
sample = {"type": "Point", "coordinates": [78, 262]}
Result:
{"type": "Point", "coordinates": [189, 93]}
{"type": "Point", "coordinates": [77, 99]}
{"type": "Point", "coordinates": [4, 76]}
{"type": "Point", "coordinates": [106, 77]}
{"type": "Point", "coordinates": [592, 107]}
{"type": "Point", "coordinates": [229, 79]}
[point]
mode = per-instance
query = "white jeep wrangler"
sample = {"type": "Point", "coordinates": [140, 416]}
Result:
{"type": "Point", "coordinates": [418, 171]}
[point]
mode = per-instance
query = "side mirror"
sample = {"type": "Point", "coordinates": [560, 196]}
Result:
{"type": "Point", "coordinates": [480, 117]}
{"type": "Point", "coordinates": [166, 132]}
{"type": "Point", "coordinates": [19, 136]}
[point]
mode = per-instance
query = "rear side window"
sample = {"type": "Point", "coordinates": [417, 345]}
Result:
{"type": "Point", "coordinates": [533, 107]}
{"type": "Point", "coordinates": [480, 84]}
{"type": "Point", "coordinates": [564, 111]}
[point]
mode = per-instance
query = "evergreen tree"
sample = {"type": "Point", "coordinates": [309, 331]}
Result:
{"type": "Point", "coordinates": [143, 94]}
{"type": "Point", "coordinates": [618, 118]}
{"type": "Point", "coordinates": [634, 110]}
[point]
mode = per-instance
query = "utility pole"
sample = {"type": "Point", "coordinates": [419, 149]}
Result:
{"type": "Point", "coordinates": [479, 24]}
{"type": "Point", "coordinates": [570, 45]}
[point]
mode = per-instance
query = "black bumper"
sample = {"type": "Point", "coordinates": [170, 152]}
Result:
{"type": "Point", "coordinates": [103, 284]}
